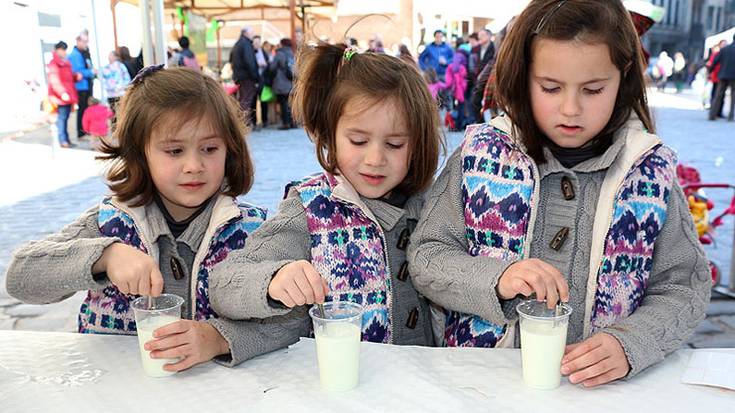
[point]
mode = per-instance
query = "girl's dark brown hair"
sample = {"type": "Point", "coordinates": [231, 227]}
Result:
{"type": "Point", "coordinates": [326, 81]}
{"type": "Point", "coordinates": [162, 102]}
{"type": "Point", "coordinates": [591, 21]}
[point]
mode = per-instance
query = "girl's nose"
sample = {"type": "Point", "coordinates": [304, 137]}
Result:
{"type": "Point", "coordinates": [193, 163]}
{"type": "Point", "coordinates": [375, 155]}
{"type": "Point", "coordinates": [571, 106]}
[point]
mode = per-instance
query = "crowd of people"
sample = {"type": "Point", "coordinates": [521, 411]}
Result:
{"type": "Point", "coordinates": [71, 77]}
{"type": "Point", "coordinates": [434, 262]}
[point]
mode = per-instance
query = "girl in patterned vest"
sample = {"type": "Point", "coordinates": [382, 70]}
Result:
{"type": "Point", "coordinates": [570, 196]}
{"type": "Point", "coordinates": [179, 161]}
{"type": "Point", "coordinates": [342, 234]}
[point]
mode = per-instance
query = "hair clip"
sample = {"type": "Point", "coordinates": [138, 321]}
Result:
{"type": "Point", "coordinates": [545, 19]}
{"type": "Point", "coordinates": [145, 72]}
{"type": "Point", "coordinates": [349, 52]}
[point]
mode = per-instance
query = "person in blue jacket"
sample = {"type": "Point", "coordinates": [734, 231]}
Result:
{"type": "Point", "coordinates": [84, 73]}
{"type": "Point", "coordinates": [437, 55]}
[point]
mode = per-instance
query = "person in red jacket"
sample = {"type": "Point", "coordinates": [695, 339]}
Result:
{"type": "Point", "coordinates": [61, 91]}
{"type": "Point", "coordinates": [95, 119]}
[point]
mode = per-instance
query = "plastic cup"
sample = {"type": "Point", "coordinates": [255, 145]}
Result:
{"type": "Point", "coordinates": [150, 314]}
{"type": "Point", "coordinates": [337, 334]}
{"type": "Point", "coordinates": [543, 338]}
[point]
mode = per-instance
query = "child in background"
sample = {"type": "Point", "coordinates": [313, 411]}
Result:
{"type": "Point", "coordinates": [180, 162]}
{"type": "Point", "coordinates": [569, 197]}
{"type": "Point", "coordinates": [341, 235]}
{"type": "Point", "coordinates": [96, 119]}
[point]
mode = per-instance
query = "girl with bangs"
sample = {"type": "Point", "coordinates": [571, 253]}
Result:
{"type": "Point", "coordinates": [340, 235]}
{"type": "Point", "coordinates": [180, 161]}
{"type": "Point", "coordinates": [569, 197]}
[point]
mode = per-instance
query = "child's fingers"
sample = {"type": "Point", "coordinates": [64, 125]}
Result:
{"type": "Point", "coordinates": [295, 293]}
{"type": "Point", "coordinates": [325, 286]}
{"type": "Point", "coordinates": [184, 364]}
{"type": "Point", "coordinates": [282, 296]}
{"type": "Point", "coordinates": [156, 282]}
{"type": "Point", "coordinates": [173, 352]}
{"type": "Point", "coordinates": [165, 343]}
{"type": "Point", "coordinates": [304, 287]}
{"type": "Point", "coordinates": [176, 327]}
{"type": "Point", "coordinates": [522, 287]}
{"type": "Point", "coordinates": [583, 363]}
{"type": "Point", "coordinates": [536, 280]}
{"type": "Point", "coordinates": [132, 287]}
{"type": "Point", "coordinates": [552, 296]}
{"type": "Point", "coordinates": [603, 378]}
{"type": "Point", "coordinates": [594, 370]}
{"type": "Point", "coordinates": [316, 283]}
{"type": "Point", "coordinates": [144, 284]}
{"type": "Point", "coordinates": [580, 350]}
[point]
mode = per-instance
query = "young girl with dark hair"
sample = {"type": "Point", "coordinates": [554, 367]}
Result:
{"type": "Point", "coordinates": [569, 197]}
{"type": "Point", "coordinates": [180, 161]}
{"type": "Point", "coordinates": [341, 234]}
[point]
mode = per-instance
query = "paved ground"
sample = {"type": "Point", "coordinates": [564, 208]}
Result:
{"type": "Point", "coordinates": [45, 187]}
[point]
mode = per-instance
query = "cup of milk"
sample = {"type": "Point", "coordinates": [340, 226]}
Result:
{"type": "Point", "coordinates": [337, 334]}
{"type": "Point", "coordinates": [150, 314]}
{"type": "Point", "coordinates": [543, 339]}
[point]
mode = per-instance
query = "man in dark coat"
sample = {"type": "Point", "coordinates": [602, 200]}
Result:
{"type": "Point", "coordinates": [245, 73]}
{"type": "Point", "coordinates": [726, 76]}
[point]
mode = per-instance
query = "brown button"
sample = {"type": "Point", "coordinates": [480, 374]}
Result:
{"type": "Point", "coordinates": [176, 269]}
{"type": "Point", "coordinates": [413, 318]}
{"type": "Point", "coordinates": [403, 272]}
{"type": "Point", "coordinates": [403, 239]}
{"type": "Point", "coordinates": [567, 189]}
{"type": "Point", "coordinates": [559, 239]}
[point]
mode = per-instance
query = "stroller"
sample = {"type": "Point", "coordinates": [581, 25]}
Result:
{"type": "Point", "coordinates": [700, 207]}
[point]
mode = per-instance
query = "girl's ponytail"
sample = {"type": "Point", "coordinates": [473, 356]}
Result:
{"type": "Point", "coordinates": [317, 68]}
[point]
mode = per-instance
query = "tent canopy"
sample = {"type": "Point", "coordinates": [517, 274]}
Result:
{"type": "Point", "coordinates": [716, 38]}
{"type": "Point", "coordinates": [227, 9]}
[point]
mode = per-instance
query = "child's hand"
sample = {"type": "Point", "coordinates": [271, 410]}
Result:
{"type": "Point", "coordinates": [130, 270]}
{"type": "Point", "coordinates": [533, 276]}
{"type": "Point", "coordinates": [298, 283]}
{"type": "Point", "coordinates": [193, 341]}
{"type": "Point", "coordinates": [598, 360]}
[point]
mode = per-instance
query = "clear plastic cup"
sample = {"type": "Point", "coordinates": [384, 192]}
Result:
{"type": "Point", "coordinates": [543, 338]}
{"type": "Point", "coordinates": [337, 335]}
{"type": "Point", "coordinates": [150, 314]}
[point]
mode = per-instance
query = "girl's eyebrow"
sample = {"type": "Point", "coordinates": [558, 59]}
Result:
{"type": "Point", "coordinates": [177, 140]}
{"type": "Point", "coordinates": [550, 79]}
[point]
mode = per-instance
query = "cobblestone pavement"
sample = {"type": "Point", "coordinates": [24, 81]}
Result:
{"type": "Point", "coordinates": [45, 188]}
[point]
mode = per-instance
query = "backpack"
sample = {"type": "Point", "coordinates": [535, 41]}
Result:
{"type": "Point", "coordinates": [288, 69]}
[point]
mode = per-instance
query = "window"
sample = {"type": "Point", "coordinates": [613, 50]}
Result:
{"type": "Point", "coordinates": [710, 17]}
{"type": "Point", "coordinates": [676, 13]}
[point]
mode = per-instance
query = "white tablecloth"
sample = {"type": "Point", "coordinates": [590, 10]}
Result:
{"type": "Point", "coordinates": [51, 372]}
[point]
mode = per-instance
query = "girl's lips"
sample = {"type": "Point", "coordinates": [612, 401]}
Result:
{"type": "Point", "coordinates": [193, 185]}
{"type": "Point", "coordinates": [373, 179]}
{"type": "Point", "coordinates": [569, 130]}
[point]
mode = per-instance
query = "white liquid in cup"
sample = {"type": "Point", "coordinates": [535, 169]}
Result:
{"type": "Point", "coordinates": [542, 348]}
{"type": "Point", "coordinates": [338, 354]}
{"type": "Point", "coordinates": [154, 367]}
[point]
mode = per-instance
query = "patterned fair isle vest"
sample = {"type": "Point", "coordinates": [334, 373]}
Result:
{"type": "Point", "coordinates": [108, 310]}
{"type": "Point", "coordinates": [497, 190]}
{"type": "Point", "coordinates": [348, 249]}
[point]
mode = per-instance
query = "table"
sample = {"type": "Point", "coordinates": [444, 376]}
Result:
{"type": "Point", "coordinates": [85, 372]}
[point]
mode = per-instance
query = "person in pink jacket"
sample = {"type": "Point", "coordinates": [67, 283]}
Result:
{"type": "Point", "coordinates": [456, 83]}
{"type": "Point", "coordinates": [96, 117]}
{"type": "Point", "coordinates": [61, 91]}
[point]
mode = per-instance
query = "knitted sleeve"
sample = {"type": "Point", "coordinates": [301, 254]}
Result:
{"type": "Point", "coordinates": [677, 294]}
{"type": "Point", "coordinates": [59, 265]}
{"type": "Point", "coordinates": [238, 286]}
{"type": "Point", "coordinates": [252, 338]}
{"type": "Point", "coordinates": [439, 264]}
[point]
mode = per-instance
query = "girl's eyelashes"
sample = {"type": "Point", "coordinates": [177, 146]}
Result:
{"type": "Point", "coordinates": [174, 151]}
{"type": "Point", "coordinates": [357, 142]}
{"type": "Point", "coordinates": [395, 145]}
{"type": "Point", "coordinates": [211, 149]}
{"type": "Point", "coordinates": [552, 90]}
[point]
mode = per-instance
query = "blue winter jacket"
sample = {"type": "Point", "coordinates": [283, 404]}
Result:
{"type": "Point", "coordinates": [78, 65]}
{"type": "Point", "coordinates": [430, 57]}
